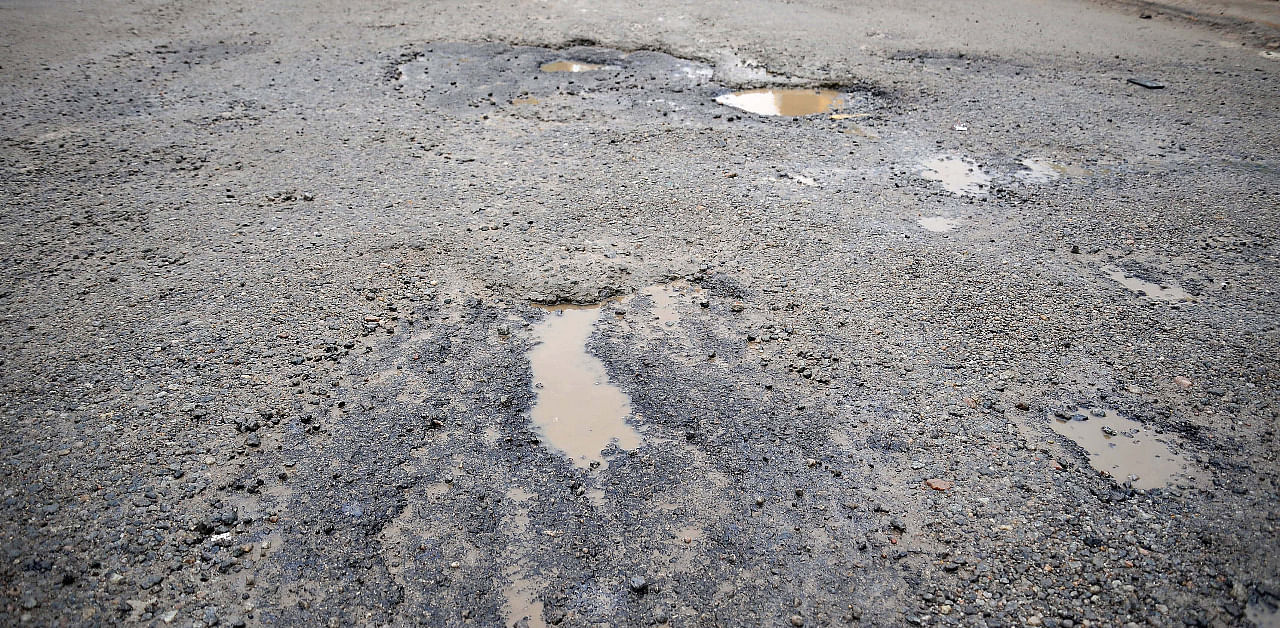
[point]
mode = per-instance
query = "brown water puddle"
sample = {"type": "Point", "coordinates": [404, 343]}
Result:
{"type": "Point", "coordinates": [519, 606]}
{"type": "Point", "coordinates": [1123, 448]}
{"type": "Point", "coordinates": [957, 175]}
{"type": "Point", "coordinates": [570, 66]}
{"type": "Point", "coordinates": [664, 304]}
{"type": "Point", "coordinates": [783, 102]}
{"type": "Point", "coordinates": [1170, 292]}
{"type": "Point", "coordinates": [938, 224]}
{"type": "Point", "coordinates": [1039, 170]}
{"type": "Point", "coordinates": [520, 592]}
{"type": "Point", "coordinates": [577, 410]}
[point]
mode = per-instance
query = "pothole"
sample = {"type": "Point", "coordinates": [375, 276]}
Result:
{"type": "Point", "coordinates": [957, 175]}
{"type": "Point", "coordinates": [1143, 288]}
{"type": "Point", "coordinates": [1037, 170]}
{"type": "Point", "coordinates": [471, 79]}
{"type": "Point", "coordinates": [520, 607]}
{"type": "Point", "coordinates": [938, 224]}
{"type": "Point", "coordinates": [774, 101]}
{"type": "Point", "coordinates": [570, 66]}
{"type": "Point", "coordinates": [1122, 448]}
{"type": "Point", "coordinates": [663, 296]}
{"type": "Point", "coordinates": [578, 410]}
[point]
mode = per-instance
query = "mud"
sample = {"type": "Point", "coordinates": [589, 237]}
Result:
{"type": "Point", "coordinates": [783, 101]}
{"type": "Point", "coordinates": [1124, 449]}
{"type": "Point", "coordinates": [958, 175]}
{"type": "Point", "coordinates": [578, 411]}
{"type": "Point", "coordinates": [569, 66]}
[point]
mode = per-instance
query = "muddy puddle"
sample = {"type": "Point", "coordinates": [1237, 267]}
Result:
{"type": "Point", "coordinates": [1123, 448]}
{"type": "Point", "coordinates": [783, 102]}
{"type": "Point", "coordinates": [1038, 170]}
{"type": "Point", "coordinates": [664, 297]}
{"type": "Point", "coordinates": [938, 224]}
{"type": "Point", "coordinates": [520, 606]}
{"type": "Point", "coordinates": [577, 410]}
{"type": "Point", "coordinates": [489, 78]}
{"type": "Point", "coordinates": [1143, 288]}
{"type": "Point", "coordinates": [570, 66]}
{"type": "Point", "coordinates": [957, 175]}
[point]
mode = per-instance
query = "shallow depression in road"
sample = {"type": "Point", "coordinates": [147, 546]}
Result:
{"type": "Point", "coordinates": [1141, 287]}
{"type": "Point", "coordinates": [938, 224]}
{"type": "Point", "coordinates": [577, 409]}
{"type": "Point", "coordinates": [959, 176]}
{"type": "Point", "coordinates": [1122, 447]}
{"type": "Point", "coordinates": [664, 310]}
{"type": "Point", "coordinates": [783, 102]}
{"type": "Point", "coordinates": [570, 66]}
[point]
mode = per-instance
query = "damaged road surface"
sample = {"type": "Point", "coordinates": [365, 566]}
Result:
{"type": "Point", "coordinates": [597, 314]}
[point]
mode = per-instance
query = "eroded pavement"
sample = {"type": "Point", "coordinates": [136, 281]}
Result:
{"type": "Point", "coordinates": [547, 315]}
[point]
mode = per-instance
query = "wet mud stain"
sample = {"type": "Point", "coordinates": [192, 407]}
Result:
{"type": "Point", "coordinates": [664, 304]}
{"type": "Point", "coordinates": [520, 607]}
{"type": "Point", "coordinates": [957, 175]}
{"type": "Point", "coordinates": [783, 102]}
{"type": "Point", "coordinates": [938, 224]}
{"type": "Point", "coordinates": [1037, 170]}
{"type": "Point", "coordinates": [1150, 289]}
{"type": "Point", "coordinates": [577, 409]}
{"type": "Point", "coordinates": [1123, 448]}
{"type": "Point", "coordinates": [520, 603]}
{"type": "Point", "coordinates": [570, 66]}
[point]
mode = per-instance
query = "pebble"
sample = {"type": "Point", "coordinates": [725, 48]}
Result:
{"type": "Point", "coordinates": [638, 584]}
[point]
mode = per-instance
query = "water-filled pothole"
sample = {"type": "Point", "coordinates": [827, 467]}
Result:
{"type": "Point", "coordinates": [577, 410]}
{"type": "Point", "coordinates": [1143, 288]}
{"type": "Point", "coordinates": [1038, 171]}
{"type": "Point", "coordinates": [1121, 447]}
{"type": "Point", "coordinates": [570, 66]}
{"type": "Point", "coordinates": [957, 175]}
{"type": "Point", "coordinates": [938, 224]}
{"type": "Point", "coordinates": [478, 79]}
{"type": "Point", "coordinates": [664, 303]}
{"type": "Point", "coordinates": [783, 101]}
{"type": "Point", "coordinates": [520, 606]}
